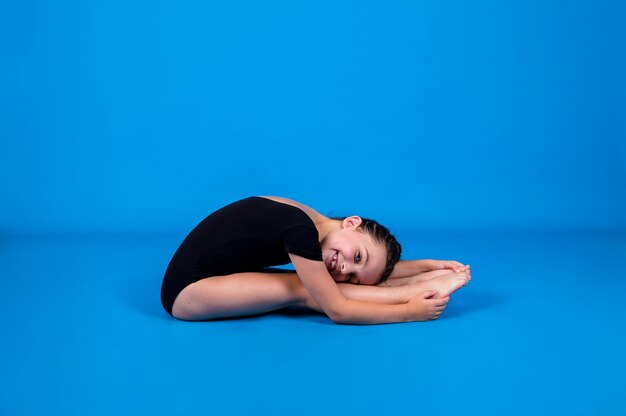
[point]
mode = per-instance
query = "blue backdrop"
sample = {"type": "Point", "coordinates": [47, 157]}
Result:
{"type": "Point", "coordinates": [146, 116]}
{"type": "Point", "coordinates": [124, 123]}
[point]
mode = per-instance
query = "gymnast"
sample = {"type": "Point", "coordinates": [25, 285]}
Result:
{"type": "Point", "coordinates": [348, 268]}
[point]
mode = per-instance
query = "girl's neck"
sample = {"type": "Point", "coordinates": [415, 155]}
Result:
{"type": "Point", "coordinates": [325, 225]}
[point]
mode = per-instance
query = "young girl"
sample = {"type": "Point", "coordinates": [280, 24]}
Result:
{"type": "Point", "coordinates": [348, 268]}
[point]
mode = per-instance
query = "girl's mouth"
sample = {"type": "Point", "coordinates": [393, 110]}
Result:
{"type": "Point", "coordinates": [332, 264]}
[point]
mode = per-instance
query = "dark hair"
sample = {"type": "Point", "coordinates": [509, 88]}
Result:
{"type": "Point", "coordinates": [383, 236]}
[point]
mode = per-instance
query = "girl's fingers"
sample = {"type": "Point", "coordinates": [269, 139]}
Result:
{"type": "Point", "coordinates": [442, 302]}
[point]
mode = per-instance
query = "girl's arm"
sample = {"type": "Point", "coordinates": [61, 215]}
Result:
{"type": "Point", "coordinates": [408, 268]}
{"type": "Point", "coordinates": [336, 306]}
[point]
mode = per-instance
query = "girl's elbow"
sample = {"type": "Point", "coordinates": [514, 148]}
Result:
{"type": "Point", "coordinates": [335, 317]}
{"type": "Point", "coordinates": [339, 315]}
{"type": "Point", "coordinates": [338, 310]}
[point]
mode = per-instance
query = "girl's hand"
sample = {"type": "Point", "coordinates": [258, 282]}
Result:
{"type": "Point", "coordinates": [426, 306]}
{"type": "Point", "coordinates": [451, 264]}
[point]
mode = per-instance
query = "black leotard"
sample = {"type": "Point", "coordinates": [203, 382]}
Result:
{"type": "Point", "coordinates": [244, 236]}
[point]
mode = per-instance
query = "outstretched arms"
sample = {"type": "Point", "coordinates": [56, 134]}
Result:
{"type": "Point", "coordinates": [336, 306]}
{"type": "Point", "coordinates": [407, 268]}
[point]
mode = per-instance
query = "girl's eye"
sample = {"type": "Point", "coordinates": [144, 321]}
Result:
{"type": "Point", "coordinates": [358, 256]}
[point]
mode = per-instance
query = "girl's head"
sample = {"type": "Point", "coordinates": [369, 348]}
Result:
{"type": "Point", "coordinates": [359, 250]}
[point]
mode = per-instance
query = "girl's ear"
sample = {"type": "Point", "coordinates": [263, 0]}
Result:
{"type": "Point", "coordinates": [352, 222]}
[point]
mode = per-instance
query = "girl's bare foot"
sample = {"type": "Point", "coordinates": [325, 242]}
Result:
{"type": "Point", "coordinates": [446, 284]}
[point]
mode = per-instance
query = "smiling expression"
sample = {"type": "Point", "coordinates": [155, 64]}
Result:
{"type": "Point", "coordinates": [352, 256]}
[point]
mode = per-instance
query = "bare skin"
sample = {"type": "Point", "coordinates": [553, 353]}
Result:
{"type": "Point", "coordinates": [420, 277]}
{"type": "Point", "coordinates": [255, 293]}
{"type": "Point", "coordinates": [442, 282]}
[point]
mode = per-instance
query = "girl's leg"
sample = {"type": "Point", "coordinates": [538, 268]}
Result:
{"type": "Point", "coordinates": [257, 292]}
{"type": "Point", "coordinates": [237, 295]}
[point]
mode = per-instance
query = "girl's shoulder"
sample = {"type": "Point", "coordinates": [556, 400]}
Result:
{"type": "Point", "coordinates": [315, 216]}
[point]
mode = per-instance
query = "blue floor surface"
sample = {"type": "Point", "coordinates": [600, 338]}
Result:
{"type": "Point", "coordinates": [539, 331]}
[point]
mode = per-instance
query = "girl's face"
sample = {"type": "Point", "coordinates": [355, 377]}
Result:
{"type": "Point", "coordinates": [352, 256]}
